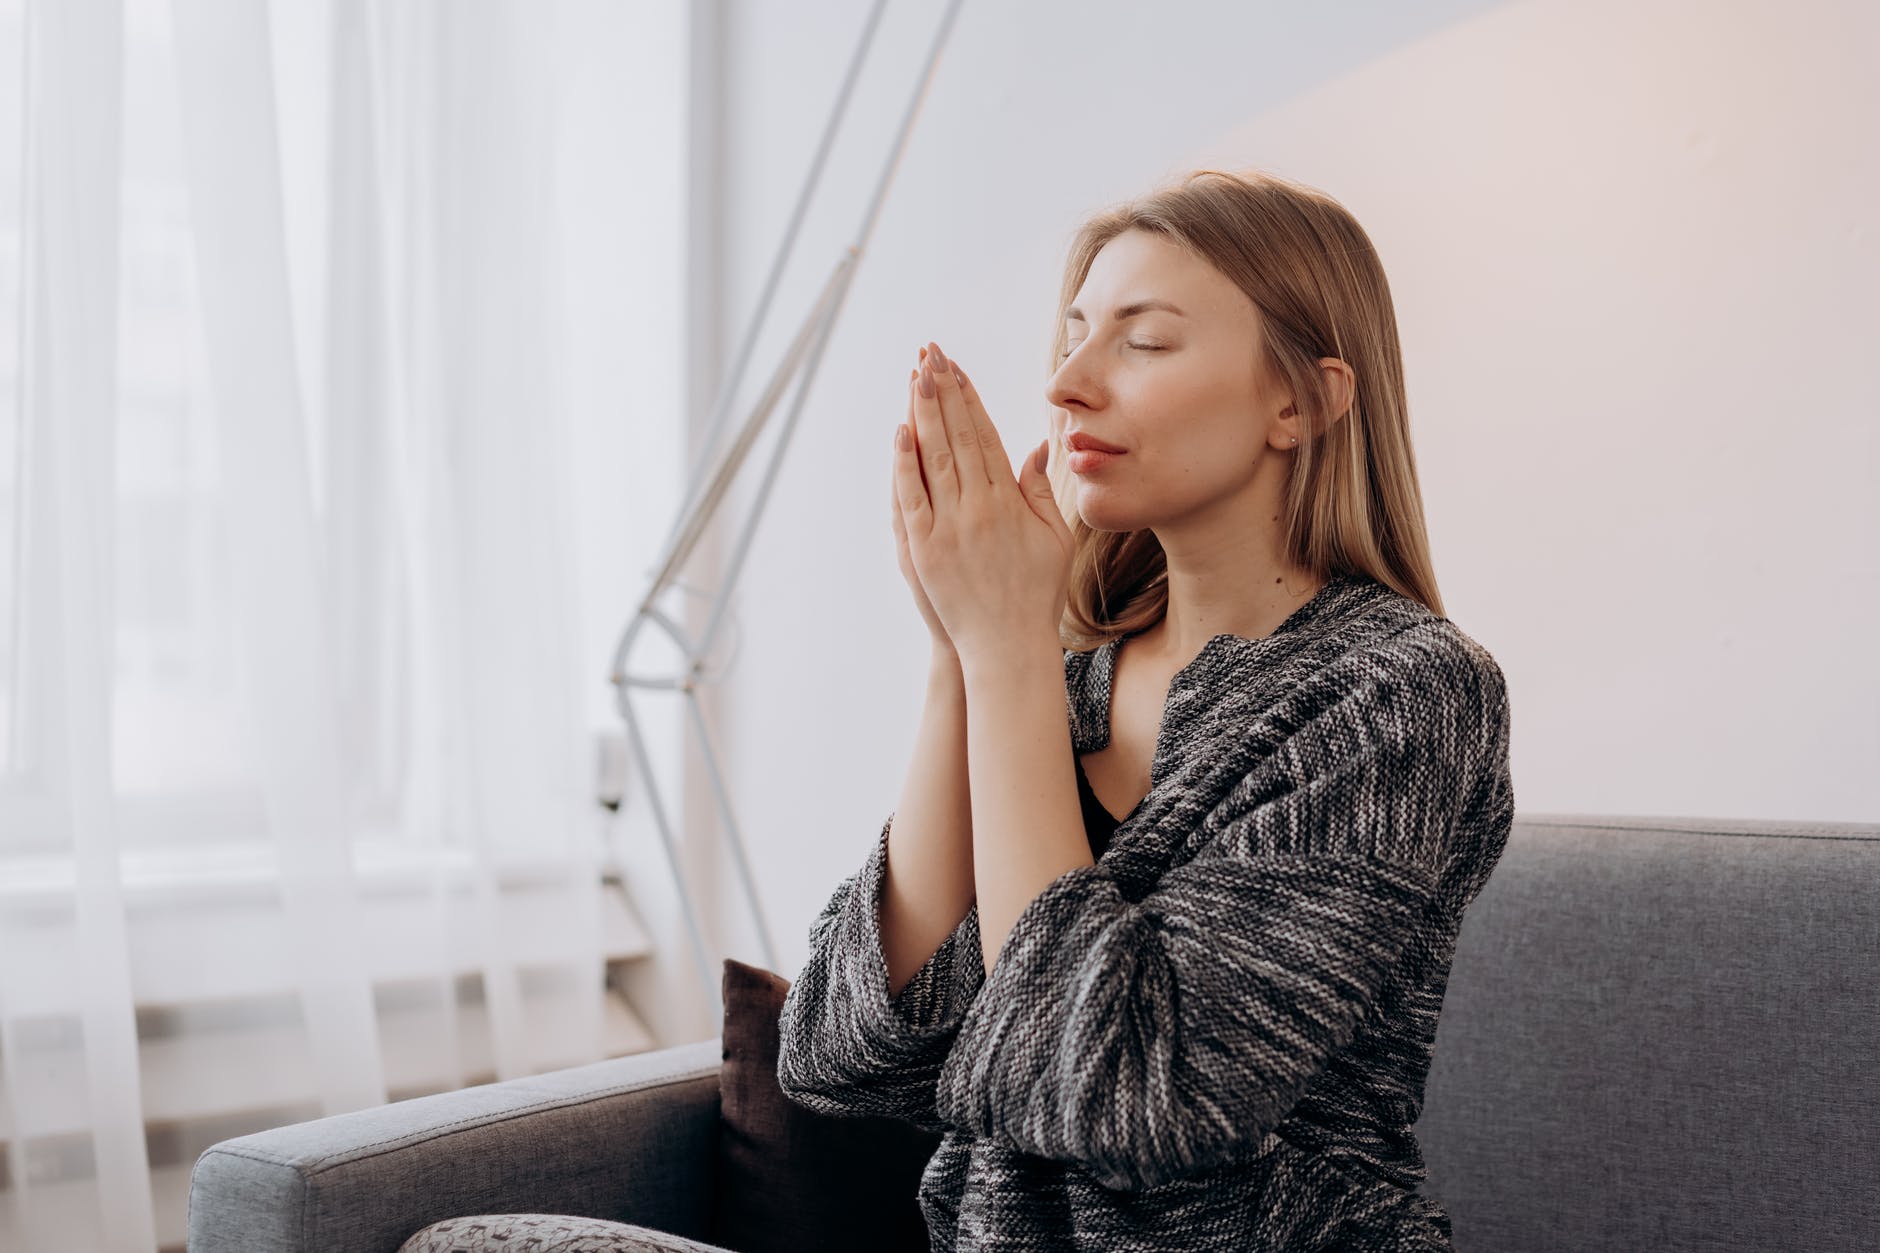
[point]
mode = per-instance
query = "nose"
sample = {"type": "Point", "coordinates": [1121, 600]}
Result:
{"type": "Point", "coordinates": [1073, 382]}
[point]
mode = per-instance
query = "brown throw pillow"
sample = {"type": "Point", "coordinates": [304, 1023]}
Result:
{"type": "Point", "coordinates": [790, 1180]}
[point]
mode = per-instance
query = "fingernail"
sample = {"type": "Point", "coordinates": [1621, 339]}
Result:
{"type": "Point", "coordinates": [926, 380]}
{"type": "Point", "coordinates": [939, 359]}
{"type": "Point", "coordinates": [900, 437]}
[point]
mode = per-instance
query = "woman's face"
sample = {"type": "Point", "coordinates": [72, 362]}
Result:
{"type": "Point", "coordinates": [1177, 390]}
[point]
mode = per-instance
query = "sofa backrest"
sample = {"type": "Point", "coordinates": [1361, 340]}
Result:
{"type": "Point", "coordinates": [1663, 1034]}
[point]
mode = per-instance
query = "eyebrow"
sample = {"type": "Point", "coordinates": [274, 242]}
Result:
{"type": "Point", "coordinates": [1074, 314]}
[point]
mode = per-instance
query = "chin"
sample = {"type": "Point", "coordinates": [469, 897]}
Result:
{"type": "Point", "coordinates": [1108, 515]}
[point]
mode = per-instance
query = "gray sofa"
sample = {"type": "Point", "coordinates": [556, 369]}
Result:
{"type": "Point", "coordinates": [1659, 1034]}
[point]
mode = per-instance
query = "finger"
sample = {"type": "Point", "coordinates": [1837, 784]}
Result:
{"type": "Point", "coordinates": [913, 429]}
{"type": "Point", "coordinates": [1036, 486]}
{"type": "Point", "coordinates": [910, 494]}
{"type": "Point", "coordinates": [894, 479]}
{"type": "Point", "coordinates": [962, 430]}
{"type": "Point", "coordinates": [894, 511]}
{"type": "Point", "coordinates": [930, 435]}
{"type": "Point", "coordinates": [990, 442]}
{"type": "Point", "coordinates": [1034, 483]}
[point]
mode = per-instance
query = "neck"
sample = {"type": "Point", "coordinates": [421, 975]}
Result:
{"type": "Point", "coordinates": [1228, 602]}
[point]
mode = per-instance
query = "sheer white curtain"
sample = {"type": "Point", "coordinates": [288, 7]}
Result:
{"type": "Point", "coordinates": [294, 816]}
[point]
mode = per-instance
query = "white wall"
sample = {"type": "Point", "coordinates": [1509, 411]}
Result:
{"type": "Point", "coordinates": [623, 170]}
{"type": "Point", "coordinates": [1633, 260]}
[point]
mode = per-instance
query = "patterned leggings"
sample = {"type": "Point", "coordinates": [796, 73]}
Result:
{"type": "Point", "coordinates": [547, 1233]}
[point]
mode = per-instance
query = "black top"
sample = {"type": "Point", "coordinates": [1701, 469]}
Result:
{"type": "Point", "coordinates": [1099, 823]}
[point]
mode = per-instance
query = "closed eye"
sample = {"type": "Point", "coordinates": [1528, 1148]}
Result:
{"type": "Point", "coordinates": [1146, 347]}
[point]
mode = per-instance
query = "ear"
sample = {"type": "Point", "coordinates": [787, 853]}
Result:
{"type": "Point", "coordinates": [1341, 387]}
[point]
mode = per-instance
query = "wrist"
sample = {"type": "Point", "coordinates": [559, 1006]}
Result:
{"type": "Point", "coordinates": [944, 665]}
{"type": "Point", "coordinates": [1012, 660]}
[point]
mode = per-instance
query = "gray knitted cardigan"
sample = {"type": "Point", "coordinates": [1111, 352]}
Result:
{"type": "Point", "coordinates": [1217, 1036]}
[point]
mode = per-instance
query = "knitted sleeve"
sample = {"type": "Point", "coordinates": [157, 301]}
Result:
{"type": "Point", "coordinates": [846, 1047]}
{"type": "Point", "coordinates": [1149, 1040]}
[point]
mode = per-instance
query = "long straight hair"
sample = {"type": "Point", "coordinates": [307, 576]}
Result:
{"type": "Point", "coordinates": [1318, 289]}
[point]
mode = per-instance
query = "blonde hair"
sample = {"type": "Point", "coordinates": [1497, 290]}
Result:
{"type": "Point", "coordinates": [1318, 289]}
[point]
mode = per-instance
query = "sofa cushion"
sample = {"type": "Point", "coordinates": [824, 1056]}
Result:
{"type": "Point", "coordinates": [788, 1178]}
{"type": "Point", "coordinates": [1659, 1033]}
{"type": "Point", "coordinates": [546, 1233]}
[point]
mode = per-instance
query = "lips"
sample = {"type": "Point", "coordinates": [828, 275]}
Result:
{"type": "Point", "coordinates": [1077, 441]}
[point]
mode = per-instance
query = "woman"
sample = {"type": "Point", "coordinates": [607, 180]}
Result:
{"type": "Point", "coordinates": [1206, 1024]}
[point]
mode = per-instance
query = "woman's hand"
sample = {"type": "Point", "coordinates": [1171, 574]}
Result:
{"type": "Point", "coordinates": [991, 553]}
{"type": "Point", "coordinates": [940, 641]}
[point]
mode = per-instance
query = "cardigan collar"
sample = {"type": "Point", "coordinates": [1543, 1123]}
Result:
{"type": "Point", "coordinates": [1214, 699]}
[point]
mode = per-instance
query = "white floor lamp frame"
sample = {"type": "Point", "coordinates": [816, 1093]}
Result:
{"type": "Point", "coordinates": [799, 364]}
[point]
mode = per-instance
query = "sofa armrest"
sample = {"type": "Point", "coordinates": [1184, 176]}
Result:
{"type": "Point", "coordinates": [630, 1139]}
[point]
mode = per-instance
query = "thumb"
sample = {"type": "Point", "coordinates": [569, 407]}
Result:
{"type": "Point", "coordinates": [1036, 463]}
{"type": "Point", "coordinates": [1035, 483]}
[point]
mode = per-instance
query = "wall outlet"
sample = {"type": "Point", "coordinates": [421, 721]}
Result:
{"type": "Point", "coordinates": [613, 766]}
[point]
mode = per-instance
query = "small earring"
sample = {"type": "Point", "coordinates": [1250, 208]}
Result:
{"type": "Point", "coordinates": [1295, 439]}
